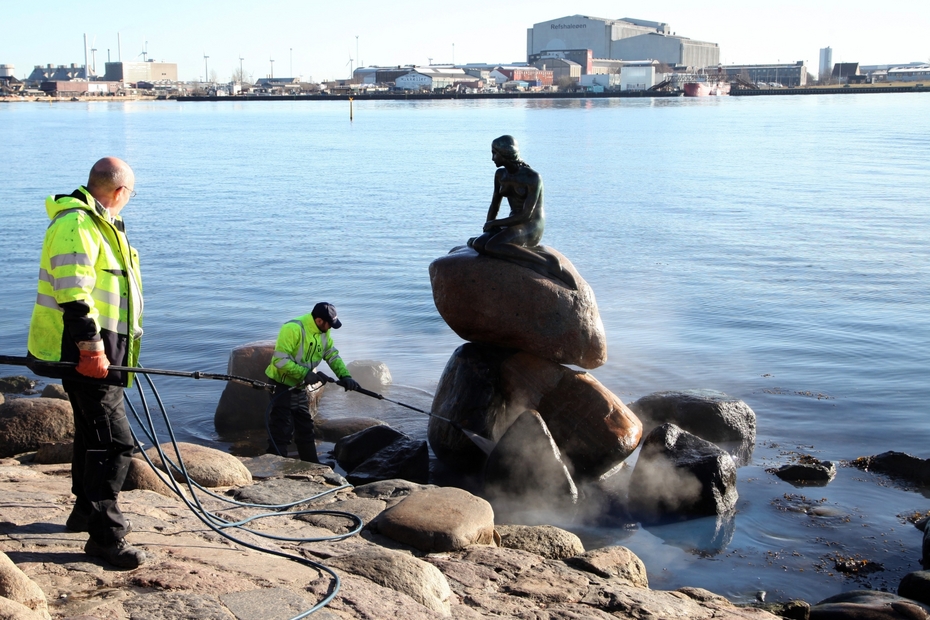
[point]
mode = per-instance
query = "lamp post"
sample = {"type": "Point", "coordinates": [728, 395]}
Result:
{"type": "Point", "coordinates": [206, 74]}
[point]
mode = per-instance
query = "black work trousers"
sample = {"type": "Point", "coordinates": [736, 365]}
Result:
{"type": "Point", "coordinates": [289, 416]}
{"type": "Point", "coordinates": [102, 452]}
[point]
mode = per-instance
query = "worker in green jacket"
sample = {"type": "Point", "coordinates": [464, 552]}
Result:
{"type": "Point", "coordinates": [88, 311]}
{"type": "Point", "coordinates": [302, 344]}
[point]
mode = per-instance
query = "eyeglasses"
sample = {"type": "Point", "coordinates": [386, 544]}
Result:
{"type": "Point", "coordinates": [132, 192]}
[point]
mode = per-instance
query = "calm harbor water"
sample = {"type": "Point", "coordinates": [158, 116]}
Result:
{"type": "Point", "coordinates": [772, 248]}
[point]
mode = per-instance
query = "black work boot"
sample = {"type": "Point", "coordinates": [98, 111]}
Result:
{"type": "Point", "coordinates": [120, 553]}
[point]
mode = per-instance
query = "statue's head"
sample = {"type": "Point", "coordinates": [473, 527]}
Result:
{"type": "Point", "coordinates": [506, 148]}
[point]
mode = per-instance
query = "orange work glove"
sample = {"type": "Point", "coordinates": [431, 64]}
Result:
{"type": "Point", "coordinates": [93, 364]}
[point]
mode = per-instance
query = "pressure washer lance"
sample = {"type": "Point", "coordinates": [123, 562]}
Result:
{"type": "Point", "coordinates": [485, 444]}
{"type": "Point", "coordinates": [258, 385]}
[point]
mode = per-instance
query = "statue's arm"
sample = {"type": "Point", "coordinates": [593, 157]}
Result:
{"type": "Point", "coordinates": [531, 204]}
{"type": "Point", "coordinates": [495, 201]}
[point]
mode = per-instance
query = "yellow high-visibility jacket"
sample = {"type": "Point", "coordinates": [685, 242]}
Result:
{"type": "Point", "coordinates": [299, 349]}
{"type": "Point", "coordinates": [90, 288]}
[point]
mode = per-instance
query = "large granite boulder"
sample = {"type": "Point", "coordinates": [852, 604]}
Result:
{"type": "Point", "coordinates": [679, 475]}
{"type": "Point", "coordinates": [525, 473]}
{"type": "Point", "coordinates": [142, 477]}
{"type": "Point", "coordinates": [438, 520]}
{"type": "Point", "coordinates": [54, 390]}
{"type": "Point", "coordinates": [709, 414]}
{"type": "Point", "coordinates": [55, 452]}
{"type": "Point", "coordinates": [924, 526]}
{"type": "Point", "coordinates": [205, 466]}
{"type": "Point", "coordinates": [468, 394]}
{"type": "Point", "coordinates": [868, 605]}
{"type": "Point", "coordinates": [494, 301]}
{"type": "Point", "coordinates": [242, 407]}
{"type": "Point", "coordinates": [484, 389]}
{"type": "Point", "coordinates": [592, 427]}
{"type": "Point", "coordinates": [27, 423]}
{"type": "Point", "coordinates": [338, 428]}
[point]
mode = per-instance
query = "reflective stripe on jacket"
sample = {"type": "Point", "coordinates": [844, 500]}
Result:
{"type": "Point", "coordinates": [299, 349]}
{"type": "Point", "coordinates": [87, 259]}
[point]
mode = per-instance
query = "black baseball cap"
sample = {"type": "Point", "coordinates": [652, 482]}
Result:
{"type": "Point", "coordinates": [326, 311]}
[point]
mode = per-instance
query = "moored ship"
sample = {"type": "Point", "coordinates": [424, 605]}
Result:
{"type": "Point", "coordinates": [706, 89]}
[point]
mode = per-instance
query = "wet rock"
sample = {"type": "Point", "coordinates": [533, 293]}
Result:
{"type": "Point", "coordinates": [679, 475]}
{"type": "Point", "coordinates": [54, 390]}
{"type": "Point", "coordinates": [390, 489]}
{"type": "Point", "coordinates": [497, 302]}
{"type": "Point", "coordinates": [334, 430]}
{"type": "Point", "coordinates": [438, 520]}
{"type": "Point", "coordinates": [868, 605]}
{"type": "Point", "coordinates": [242, 407]}
{"type": "Point", "coordinates": [924, 524]}
{"type": "Point", "coordinates": [614, 562]}
{"type": "Point", "coordinates": [364, 509]}
{"type": "Point", "coordinates": [793, 610]}
{"type": "Point", "coordinates": [897, 465]}
{"type": "Point", "coordinates": [55, 452]}
{"type": "Point", "coordinates": [205, 466]}
{"type": "Point", "coordinates": [27, 423]}
{"type": "Point", "coordinates": [469, 394]}
{"type": "Point", "coordinates": [353, 450]}
{"type": "Point", "coordinates": [916, 586]}
{"type": "Point", "coordinates": [545, 540]}
{"type": "Point", "coordinates": [16, 586]}
{"type": "Point", "coordinates": [142, 477]}
{"type": "Point", "coordinates": [279, 491]}
{"type": "Point", "coordinates": [174, 605]}
{"type": "Point", "coordinates": [709, 414]}
{"type": "Point", "coordinates": [592, 427]}
{"type": "Point", "coordinates": [398, 571]}
{"type": "Point", "coordinates": [16, 384]}
{"type": "Point", "coordinates": [405, 458]}
{"type": "Point", "coordinates": [274, 466]}
{"type": "Point", "coordinates": [372, 375]}
{"type": "Point", "coordinates": [525, 472]}
{"type": "Point", "coordinates": [810, 471]}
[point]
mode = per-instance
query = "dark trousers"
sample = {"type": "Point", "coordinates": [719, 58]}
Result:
{"type": "Point", "coordinates": [289, 415]}
{"type": "Point", "coordinates": [102, 451]}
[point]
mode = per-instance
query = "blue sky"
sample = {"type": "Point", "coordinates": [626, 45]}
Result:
{"type": "Point", "coordinates": [316, 39]}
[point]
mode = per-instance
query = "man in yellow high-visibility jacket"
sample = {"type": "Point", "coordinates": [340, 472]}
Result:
{"type": "Point", "coordinates": [89, 310]}
{"type": "Point", "coordinates": [302, 344]}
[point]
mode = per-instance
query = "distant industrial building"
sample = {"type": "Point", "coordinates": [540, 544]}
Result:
{"type": "Point", "coordinates": [73, 88]}
{"type": "Point", "coordinates": [560, 68]}
{"type": "Point", "coordinates": [911, 73]}
{"type": "Point", "coordinates": [844, 71]}
{"type": "Point", "coordinates": [59, 73]}
{"type": "Point", "coordinates": [784, 74]}
{"type": "Point", "coordinates": [826, 62]}
{"type": "Point", "coordinates": [430, 78]}
{"type": "Point", "coordinates": [620, 39]}
{"type": "Point", "coordinates": [134, 72]}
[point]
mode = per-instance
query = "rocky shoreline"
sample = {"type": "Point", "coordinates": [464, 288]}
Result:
{"type": "Point", "coordinates": [452, 560]}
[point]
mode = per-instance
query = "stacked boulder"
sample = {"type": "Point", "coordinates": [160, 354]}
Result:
{"type": "Point", "coordinates": [523, 329]}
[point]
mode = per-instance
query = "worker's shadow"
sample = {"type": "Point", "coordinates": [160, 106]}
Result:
{"type": "Point", "coordinates": [50, 535]}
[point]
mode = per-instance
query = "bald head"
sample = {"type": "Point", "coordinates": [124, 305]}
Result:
{"type": "Point", "coordinates": [108, 179]}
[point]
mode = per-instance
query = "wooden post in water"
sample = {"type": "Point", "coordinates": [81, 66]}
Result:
{"type": "Point", "coordinates": [350, 108]}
